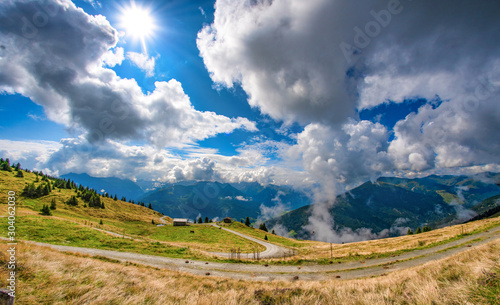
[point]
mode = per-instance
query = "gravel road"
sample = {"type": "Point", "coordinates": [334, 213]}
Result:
{"type": "Point", "coordinates": [350, 270]}
{"type": "Point", "coordinates": [271, 251]}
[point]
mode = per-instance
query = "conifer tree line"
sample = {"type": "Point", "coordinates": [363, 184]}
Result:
{"type": "Point", "coordinates": [5, 166]}
{"type": "Point", "coordinates": [418, 231]}
{"type": "Point", "coordinates": [90, 197]}
{"type": "Point", "coordinates": [200, 220]}
{"type": "Point", "coordinates": [263, 227]}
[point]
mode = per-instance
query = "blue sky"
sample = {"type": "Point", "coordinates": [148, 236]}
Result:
{"type": "Point", "coordinates": [174, 45]}
{"type": "Point", "coordinates": [318, 94]}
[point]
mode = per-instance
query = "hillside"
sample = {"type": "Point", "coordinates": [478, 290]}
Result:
{"type": "Point", "coordinates": [188, 199]}
{"type": "Point", "coordinates": [94, 276]}
{"type": "Point", "coordinates": [396, 203]}
{"type": "Point", "coordinates": [466, 268]}
{"type": "Point", "coordinates": [119, 225]}
{"type": "Point", "coordinates": [487, 204]}
{"type": "Point", "coordinates": [463, 189]}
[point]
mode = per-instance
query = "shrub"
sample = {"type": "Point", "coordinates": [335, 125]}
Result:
{"type": "Point", "coordinates": [46, 210]}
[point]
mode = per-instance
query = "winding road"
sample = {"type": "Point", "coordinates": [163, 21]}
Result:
{"type": "Point", "coordinates": [271, 251]}
{"type": "Point", "coordinates": [350, 270]}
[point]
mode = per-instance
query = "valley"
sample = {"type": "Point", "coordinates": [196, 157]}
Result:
{"type": "Point", "coordinates": [135, 238]}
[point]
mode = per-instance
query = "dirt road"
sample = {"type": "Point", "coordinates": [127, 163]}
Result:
{"type": "Point", "coordinates": [351, 270]}
{"type": "Point", "coordinates": [271, 251]}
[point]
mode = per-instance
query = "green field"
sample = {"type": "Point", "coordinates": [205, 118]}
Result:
{"type": "Point", "coordinates": [74, 225]}
{"type": "Point", "coordinates": [59, 232]}
{"type": "Point", "coordinates": [275, 239]}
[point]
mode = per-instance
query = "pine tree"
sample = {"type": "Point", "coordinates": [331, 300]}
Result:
{"type": "Point", "coordinates": [95, 201]}
{"type": "Point", "coordinates": [263, 227]}
{"type": "Point", "coordinates": [410, 232]}
{"type": "Point", "coordinates": [30, 190]}
{"type": "Point", "coordinates": [247, 222]}
{"type": "Point", "coordinates": [426, 229]}
{"type": "Point", "coordinates": [39, 191]}
{"type": "Point", "coordinates": [206, 219]}
{"type": "Point", "coordinates": [265, 237]}
{"type": "Point", "coordinates": [46, 189]}
{"type": "Point", "coordinates": [46, 210]}
{"type": "Point", "coordinates": [5, 167]}
{"type": "Point", "coordinates": [100, 222]}
{"type": "Point", "coordinates": [53, 204]}
{"type": "Point", "coordinates": [72, 201]}
{"type": "Point", "coordinates": [150, 206]}
{"type": "Point", "coordinates": [200, 220]}
{"type": "Point", "coordinates": [153, 221]}
{"type": "Point", "coordinates": [20, 174]}
{"type": "Point", "coordinates": [115, 198]}
{"type": "Point", "coordinates": [274, 233]}
{"type": "Point", "coordinates": [418, 231]}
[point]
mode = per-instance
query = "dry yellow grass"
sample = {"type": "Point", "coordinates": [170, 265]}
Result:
{"type": "Point", "coordinates": [119, 211]}
{"type": "Point", "coordinates": [320, 250]}
{"type": "Point", "coordinates": [50, 277]}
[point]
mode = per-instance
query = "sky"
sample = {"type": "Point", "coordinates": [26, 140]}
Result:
{"type": "Point", "coordinates": [325, 94]}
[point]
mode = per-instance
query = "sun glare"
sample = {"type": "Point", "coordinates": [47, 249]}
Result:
{"type": "Point", "coordinates": [138, 23]}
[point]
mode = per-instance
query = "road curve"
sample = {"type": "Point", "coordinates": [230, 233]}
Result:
{"type": "Point", "coordinates": [272, 250]}
{"type": "Point", "coordinates": [349, 270]}
{"type": "Point", "coordinates": [162, 220]}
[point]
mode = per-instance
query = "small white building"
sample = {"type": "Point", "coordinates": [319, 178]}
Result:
{"type": "Point", "coordinates": [180, 222]}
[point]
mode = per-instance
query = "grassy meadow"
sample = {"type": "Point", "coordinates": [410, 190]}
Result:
{"type": "Point", "coordinates": [50, 277]}
{"type": "Point", "coordinates": [75, 225]}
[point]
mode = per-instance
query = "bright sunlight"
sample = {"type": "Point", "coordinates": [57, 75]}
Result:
{"type": "Point", "coordinates": [138, 23]}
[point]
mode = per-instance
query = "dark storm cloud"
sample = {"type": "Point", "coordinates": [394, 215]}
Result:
{"type": "Point", "coordinates": [317, 62]}
{"type": "Point", "coordinates": [54, 54]}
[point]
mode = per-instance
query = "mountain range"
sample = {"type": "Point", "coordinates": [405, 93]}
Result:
{"type": "Point", "coordinates": [111, 185]}
{"type": "Point", "coordinates": [401, 203]}
{"type": "Point", "coordinates": [190, 199]}
{"type": "Point", "coordinates": [389, 203]}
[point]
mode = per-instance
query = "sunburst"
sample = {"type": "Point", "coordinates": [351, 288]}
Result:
{"type": "Point", "coordinates": [138, 23]}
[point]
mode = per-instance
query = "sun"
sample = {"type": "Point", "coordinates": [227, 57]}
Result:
{"type": "Point", "coordinates": [138, 23]}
